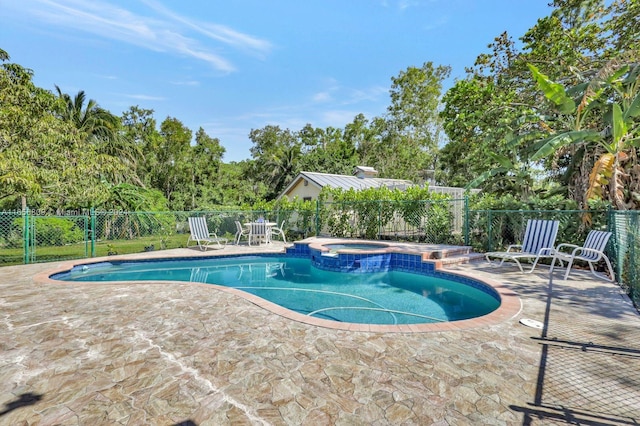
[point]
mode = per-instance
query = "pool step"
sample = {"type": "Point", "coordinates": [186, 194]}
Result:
{"type": "Point", "coordinates": [449, 255]}
{"type": "Point", "coordinates": [462, 258]}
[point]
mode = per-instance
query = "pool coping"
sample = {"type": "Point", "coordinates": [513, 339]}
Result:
{"type": "Point", "coordinates": [510, 303]}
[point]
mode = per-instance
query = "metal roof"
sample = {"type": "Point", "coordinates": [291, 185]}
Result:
{"type": "Point", "coordinates": [347, 182]}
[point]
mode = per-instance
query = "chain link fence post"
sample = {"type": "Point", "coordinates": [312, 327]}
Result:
{"type": "Point", "coordinates": [25, 234]}
{"type": "Point", "coordinates": [466, 220]}
{"type": "Point", "coordinates": [92, 231]}
{"type": "Point", "coordinates": [489, 231]}
{"type": "Point", "coordinates": [317, 218]}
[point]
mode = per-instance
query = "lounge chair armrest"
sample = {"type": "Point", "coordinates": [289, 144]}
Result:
{"type": "Point", "coordinates": [580, 251]}
{"type": "Point", "coordinates": [546, 251]}
{"type": "Point", "coordinates": [565, 246]}
{"type": "Point", "coordinates": [514, 246]}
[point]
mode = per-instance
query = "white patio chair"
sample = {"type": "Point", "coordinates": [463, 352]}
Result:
{"type": "Point", "coordinates": [591, 252]}
{"type": "Point", "coordinates": [241, 231]}
{"type": "Point", "coordinates": [201, 236]}
{"type": "Point", "coordinates": [259, 233]}
{"type": "Point", "coordinates": [275, 231]}
{"type": "Point", "coordinates": [539, 239]}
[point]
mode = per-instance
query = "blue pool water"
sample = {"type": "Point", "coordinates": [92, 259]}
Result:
{"type": "Point", "coordinates": [391, 297]}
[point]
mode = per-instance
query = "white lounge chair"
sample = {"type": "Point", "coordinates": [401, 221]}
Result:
{"type": "Point", "coordinates": [275, 231]}
{"type": "Point", "coordinates": [591, 252]}
{"type": "Point", "coordinates": [539, 239]}
{"type": "Point", "coordinates": [201, 236]}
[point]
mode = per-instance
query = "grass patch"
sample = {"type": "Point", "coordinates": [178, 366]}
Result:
{"type": "Point", "coordinates": [15, 256]}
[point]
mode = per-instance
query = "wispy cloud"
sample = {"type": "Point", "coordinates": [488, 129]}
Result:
{"type": "Point", "coordinates": [438, 23]}
{"type": "Point", "coordinates": [170, 33]}
{"type": "Point", "coordinates": [143, 97]}
{"type": "Point", "coordinates": [405, 4]}
{"type": "Point", "coordinates": [370, 94]}
{"type": "Point", "coordinates": [400, 4]}
{"type": "Point", "coordinates": [348, 96]}
{"type": "Point", "coordinates": [321, 97]}
{"type": "Point", "coordinates": [217, 32]}
{"type": "Point", "coordinates": [186, 83]}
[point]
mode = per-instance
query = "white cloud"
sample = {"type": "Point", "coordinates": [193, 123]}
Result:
{"type": "Point", "coordinates": [338, 118]}
{"type": "Point", "coordinates": [321, 97]}
{"type": "Point", "coordinates": [438, 23]}
{"type": "Point", "coordinates": [370, 94]}
{"type": "Point", "coordinates": [173, 35]}
{"type": "Point", "coordinates": [186, 83]}
{"type": "Point", "coordinates": [215, 31]}
{"type": "Point", "coordinates": [405, 4]}
{"type": "Point", "coordinates": [144, 97]}
{"type": "Point", "coordinates": [400, 4]}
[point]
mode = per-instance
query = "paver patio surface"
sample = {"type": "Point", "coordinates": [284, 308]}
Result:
{"type": "Point", "coordinates": [178, 353]}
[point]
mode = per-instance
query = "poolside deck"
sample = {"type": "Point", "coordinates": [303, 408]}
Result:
{"type": "Point", "coordinates": [176, 353]}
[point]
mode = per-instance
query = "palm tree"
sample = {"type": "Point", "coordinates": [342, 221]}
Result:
{"type": "Point", "coordinates": [283, 165]}
{"type": "Point", "coordinates": [101, 128]}
{"type": "Point", "coordinates": [90, 119]}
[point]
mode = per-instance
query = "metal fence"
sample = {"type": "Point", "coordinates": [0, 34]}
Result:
{"type": "Point", "coordinates": [436, 222]}
{"type": "Point", "coordinates": [30, 237]}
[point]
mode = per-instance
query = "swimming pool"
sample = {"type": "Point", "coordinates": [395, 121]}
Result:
{"type": "Point", "coordinates": [386, 296]}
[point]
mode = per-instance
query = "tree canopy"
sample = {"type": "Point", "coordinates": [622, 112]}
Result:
{"type": "Point", "coordinates": [557, 116]}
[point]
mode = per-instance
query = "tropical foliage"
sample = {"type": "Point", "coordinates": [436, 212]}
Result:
{"type": "Point", "coordinates": [553, 117]}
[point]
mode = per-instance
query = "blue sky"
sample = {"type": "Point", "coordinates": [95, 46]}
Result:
{"type": "Point", "coordinates": [236, 65]}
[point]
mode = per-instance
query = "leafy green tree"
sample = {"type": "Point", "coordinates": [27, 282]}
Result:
{"type": "Point", "coordinates": [409, 137]}
{"type": "Point", "coordinates": [467, 119]}
{"type": "Point", "coordinates": [276, 155]}
{"type": "Point", "coordinates": [624, 16]}
{"type": "Point", "coordinates": [326, 151]}
{"type": "Point", "coordinates": [102, 129]}
{"type": "Point", "coordinates": [167, 162]}
{"type": "Point", "coordinates": [614, 96]}
{"type": "Point", "coordinates": [43, 159]}
{"type": "Point", "coordinates": [139, 128]}
{"type": "Point", "coordinates": [130, 198]}
{"type": "Point", "coordinates": [414, 110]}
{"type": "Point", "coordinates": [237, 186]}
{"type": "Point", "coordinates": [569, 46]}
{"type": "Point", "coordinates": [205, 159]}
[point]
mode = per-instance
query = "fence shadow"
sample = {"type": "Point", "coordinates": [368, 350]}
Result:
{"type": "Point", "coordinates": [23, 400]}
{"type": "Point", "coordinates": [580, 381]}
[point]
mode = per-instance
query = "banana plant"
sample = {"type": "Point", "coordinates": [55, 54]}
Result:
{"type": "Point", "coordinates": [612, 101]}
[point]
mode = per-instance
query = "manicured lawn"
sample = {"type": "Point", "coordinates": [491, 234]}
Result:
{"type": "Point", "coordinates": [15, 256]}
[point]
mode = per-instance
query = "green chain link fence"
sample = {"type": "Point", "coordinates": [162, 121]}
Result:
{"type": "Point", "coordinates": [435, 222]}
{"type": "Point", "coordinates": [29, 237]}
{"type": "Point", "coordinates": [495, 230]}
{"type": "Point", "coordinates": [625, 251]}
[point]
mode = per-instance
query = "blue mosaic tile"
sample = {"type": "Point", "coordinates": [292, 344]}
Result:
{"type": "Point", "coordinates": [368, 263]}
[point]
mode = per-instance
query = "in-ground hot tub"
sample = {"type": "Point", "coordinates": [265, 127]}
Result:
{"type": "Point", "coordinates": [346, 247]}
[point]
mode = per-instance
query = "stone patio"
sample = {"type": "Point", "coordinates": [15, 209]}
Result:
{"type": "Point", "coordinates": [183, 354]}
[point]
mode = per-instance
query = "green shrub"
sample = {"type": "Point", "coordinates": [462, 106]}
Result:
{"type": "Point", "coordinates": [54, 231]}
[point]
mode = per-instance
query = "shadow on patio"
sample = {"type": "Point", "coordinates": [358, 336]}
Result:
{"type": "Point", "coordinates": [582, 379]}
